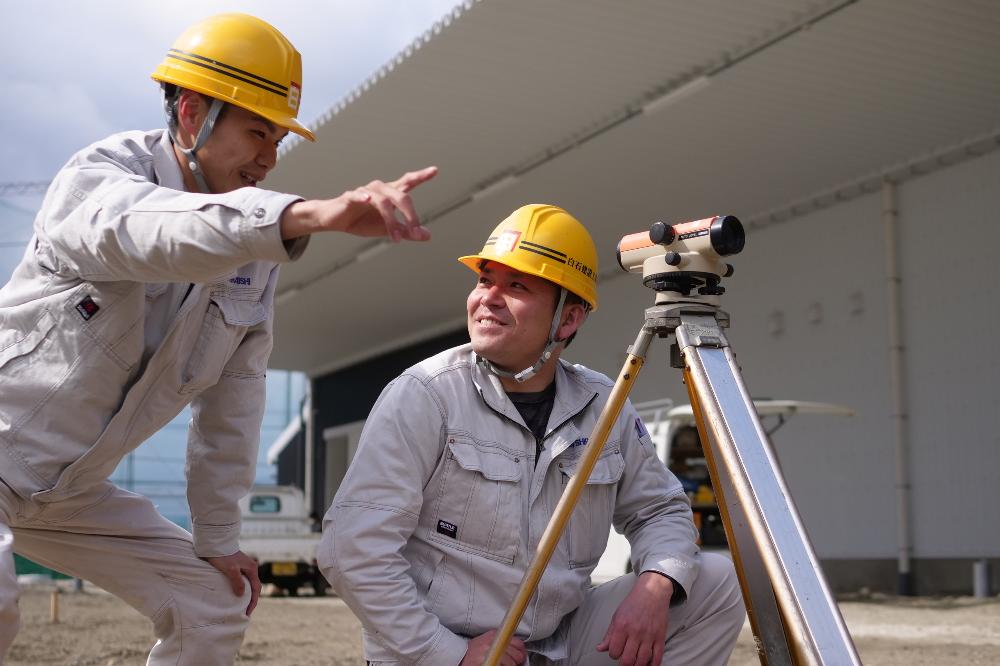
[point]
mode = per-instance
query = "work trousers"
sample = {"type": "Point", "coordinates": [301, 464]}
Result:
{"type": "Point", "coordinates": [119, 541]}
{"type": "Point", "coordinates": [700, 632]}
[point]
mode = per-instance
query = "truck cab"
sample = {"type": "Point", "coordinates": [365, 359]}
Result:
{"type": "Point", "coordinates": [282, 537]}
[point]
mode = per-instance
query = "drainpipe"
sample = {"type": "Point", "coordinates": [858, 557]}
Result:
{"type": "Point", "coordinates": [904, 539]}
{"type": "Point", "coordinates": [309, 450]}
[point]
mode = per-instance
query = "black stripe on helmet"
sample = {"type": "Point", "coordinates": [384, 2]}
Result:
{"type": "Point", "coordinates": [223, 68]}
{"type": "Point", "coordinates": [542, 247]}
{"type": "Point", "coordinates": [544, 254]}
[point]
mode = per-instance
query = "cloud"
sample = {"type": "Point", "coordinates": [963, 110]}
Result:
{"type": "Point", "coordinates": [74, 72]}
{"type": "Point", "coordinates": [41, 121]}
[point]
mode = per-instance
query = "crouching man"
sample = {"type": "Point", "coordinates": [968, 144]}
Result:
{"type": "Point", "coordinates": [462, 462]}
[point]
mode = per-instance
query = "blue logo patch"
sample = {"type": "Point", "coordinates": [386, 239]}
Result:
{"type": "Point", "coordinates": [580, 442]}
{"type": "Point", "coordinates": [640, 428]}
{"type": "Point", "coordinates": [245, 281]}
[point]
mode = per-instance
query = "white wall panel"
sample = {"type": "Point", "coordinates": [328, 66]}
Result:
{"type": "Point", "coordinates": [950, 237]}
{"type": "Point", "coordinates": [822, 276]}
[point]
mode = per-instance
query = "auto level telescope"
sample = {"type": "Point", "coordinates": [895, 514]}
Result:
{"type": "Point", "coordinates": [683, 257]}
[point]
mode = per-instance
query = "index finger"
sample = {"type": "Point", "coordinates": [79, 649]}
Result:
{"type": "Point", "coordinates": [235, 579]}
{"type": "Point", "coordinates": [411, 179]}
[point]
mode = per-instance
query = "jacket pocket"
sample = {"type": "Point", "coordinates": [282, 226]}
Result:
{"type": "Point", "coordinates": [590, 522]}
{"type": "Point", "coordinates": [478, 507]}
{"type": "Point", "coordinates": [425, 561]}
{"type": "Point", "coordinates": [110, 313]}
{"type": "Point", "coordinates": [223, 327]}
{"type": "Point", "coordinates": [17, 344]}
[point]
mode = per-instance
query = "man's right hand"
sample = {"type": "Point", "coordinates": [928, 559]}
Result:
{"type": "Point", "coordinates": [479, 649]}
{"type": "Point", "coordinates": [377, 209]}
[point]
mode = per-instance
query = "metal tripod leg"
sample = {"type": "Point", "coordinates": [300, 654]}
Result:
{"type": "Point", "coordinates": [794, 617]}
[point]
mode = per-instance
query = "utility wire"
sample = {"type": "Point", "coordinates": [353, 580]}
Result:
{"type": "Point", "coordinates": [9, 189]}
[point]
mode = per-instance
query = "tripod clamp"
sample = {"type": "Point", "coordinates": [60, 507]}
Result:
{"type": "Point", "coordinates": [692, 324]}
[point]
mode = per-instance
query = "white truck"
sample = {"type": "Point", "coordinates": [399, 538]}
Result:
{"type": "Point", "coordinates": [279, 533]}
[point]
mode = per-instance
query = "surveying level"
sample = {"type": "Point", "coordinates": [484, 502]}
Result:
{"type": "Point", "coordinates": [794, 618]}
{"type": "Point", "coordinates": [683, 257]}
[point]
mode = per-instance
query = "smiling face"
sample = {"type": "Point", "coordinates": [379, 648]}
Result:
{"type": "Point", "coordinates": [240, 151]}
{"type": "Point", "coordinates": [509, 315]}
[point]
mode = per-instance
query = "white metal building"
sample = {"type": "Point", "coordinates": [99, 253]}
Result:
{"type": "Point", "coordinates": [856, 139]}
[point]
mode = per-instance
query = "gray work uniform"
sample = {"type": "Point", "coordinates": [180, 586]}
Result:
{"type": "Point", "coordinates": [133, 300]}
{"type": "Point", "coordinates": [443, 506]}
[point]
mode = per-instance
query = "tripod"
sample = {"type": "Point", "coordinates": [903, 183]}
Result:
{"type": "Point", "coordinates": [792, 613]}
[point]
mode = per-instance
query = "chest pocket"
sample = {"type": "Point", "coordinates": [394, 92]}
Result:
{"type": "Point", "coordinates": [590, 522]}
{"type": "Point", "coordinates": [478, 507]}
{"type": "Point", "coordinates": [224, 324]}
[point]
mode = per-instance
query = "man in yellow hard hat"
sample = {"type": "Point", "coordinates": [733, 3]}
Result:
{"type": "Point", "coordinates": [462, 462]}
{"type": "Point", "coordinates": [149, 286]}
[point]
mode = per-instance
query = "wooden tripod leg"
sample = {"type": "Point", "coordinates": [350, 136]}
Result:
{"type": "Point", "coordinates": [550, 537]}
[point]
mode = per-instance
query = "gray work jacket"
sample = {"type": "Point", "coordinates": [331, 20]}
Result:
{"type": "Point", "coordinates": [443, 506]}
{"type": "Point", "coordinates": [99, 350]}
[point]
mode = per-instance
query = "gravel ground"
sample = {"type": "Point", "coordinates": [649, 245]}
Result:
{"type": "Point", "coordinates": [97, 629]}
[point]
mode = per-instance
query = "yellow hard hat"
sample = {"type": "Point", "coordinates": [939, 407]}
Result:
{"type": "Point", "coordinates": [546, 241]}
{"type": "Point", "coordinates": [242, 60]}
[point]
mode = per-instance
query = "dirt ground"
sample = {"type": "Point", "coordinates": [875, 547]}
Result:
{"type": "Point", "coordinates": [96, 629]}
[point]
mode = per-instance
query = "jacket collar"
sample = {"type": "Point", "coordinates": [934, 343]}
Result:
{"type": "Point", "coordinates": [165, 166]}
{"type": "Point", "coordinates": [573, 393]}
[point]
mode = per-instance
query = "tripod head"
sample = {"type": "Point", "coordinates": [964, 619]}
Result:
{"type": "Point", "coordinates": [676, 260]}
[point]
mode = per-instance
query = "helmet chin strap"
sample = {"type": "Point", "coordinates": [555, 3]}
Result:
{"type": "Point", "coordinates": [550, 346]}
{"type": "Point", "coordinates": [189, 153]}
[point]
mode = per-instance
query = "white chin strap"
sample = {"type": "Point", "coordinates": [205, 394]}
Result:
{"type": "Point", "coordinates": [203, 134]}
{"type": "Point", "coordinates": [550, 346]}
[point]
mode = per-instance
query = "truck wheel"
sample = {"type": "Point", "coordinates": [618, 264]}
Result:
{"type": "Point", "coordinates": [319, 585]}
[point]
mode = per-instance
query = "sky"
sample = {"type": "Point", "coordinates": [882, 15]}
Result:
{"type": "Point", "coordinates": [75, 71]}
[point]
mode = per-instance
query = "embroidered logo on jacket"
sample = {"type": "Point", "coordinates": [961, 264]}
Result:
{"type": "Point", "coordinates": [580, 442]}
{"type": "Point", "coordinates": [245, 281]}
{"type": "Point", "coordinates": [87, 308]}
{"type": "Point", "coordinates": [447, 529]}
{"type": "Point", "coordinates": [640, 428]}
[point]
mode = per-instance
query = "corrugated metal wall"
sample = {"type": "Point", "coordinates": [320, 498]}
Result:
{"type": "Point", "coordinates": [808, 306]}
{"type": "Point", "coordinates": [950, 236]}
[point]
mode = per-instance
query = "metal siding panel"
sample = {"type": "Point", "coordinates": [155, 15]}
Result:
{"type": "Point", "coordinates": [948, 240]}
{"type": "Point", "coordinates": [840, 470]}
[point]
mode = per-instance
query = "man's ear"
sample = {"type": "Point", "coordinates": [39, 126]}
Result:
{"type": "Point", "coordinates": [190, 112]}
{"type": "Point", "coordinates": [573, 316]}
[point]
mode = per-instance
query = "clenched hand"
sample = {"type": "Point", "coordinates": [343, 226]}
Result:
{"type": "Point", "coordinates": [638, 628]}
